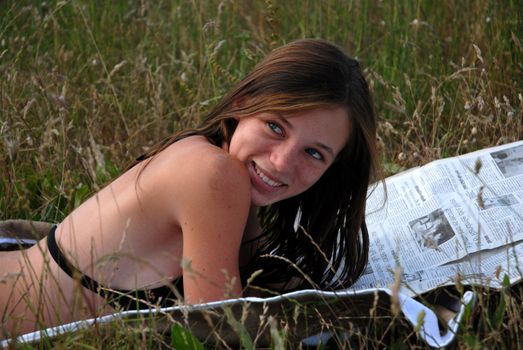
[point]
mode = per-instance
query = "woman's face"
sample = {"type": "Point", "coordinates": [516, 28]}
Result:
{"type": "Point", "coordinates": [287, 154]}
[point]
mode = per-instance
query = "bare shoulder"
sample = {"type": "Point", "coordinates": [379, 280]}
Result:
{"type": "Point", "coordinates": [214, 164]}
{"type": "Point", "coordinates": [200, 163]}
{"type": "Point", "coordinates": [193, 169]}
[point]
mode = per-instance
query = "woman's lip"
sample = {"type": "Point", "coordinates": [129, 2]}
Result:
{"type": "Point", "coordinates": [258, 181]}
{"type": "Point", "coordinates": [267, 174]}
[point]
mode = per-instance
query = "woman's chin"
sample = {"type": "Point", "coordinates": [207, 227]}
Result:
{"type": "Point", "coordinates": [261, 200]}
{"type": "Point", "coordinates": [258, 200]}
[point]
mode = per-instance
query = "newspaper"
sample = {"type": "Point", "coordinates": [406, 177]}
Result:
{"type": "Point", "coordinates": [453, 219]}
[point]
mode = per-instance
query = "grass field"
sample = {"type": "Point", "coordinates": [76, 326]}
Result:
{"type": "Point", "coordinates": [87, 86]}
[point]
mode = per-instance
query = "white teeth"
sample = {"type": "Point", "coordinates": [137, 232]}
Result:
{"type": "Point", "coordinates": [266, 179]}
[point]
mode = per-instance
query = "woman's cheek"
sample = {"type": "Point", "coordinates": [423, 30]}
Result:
{"type": "Point", "coordinates": [311, 177]}
{"type": "Point", "coordinates": [318, 174]}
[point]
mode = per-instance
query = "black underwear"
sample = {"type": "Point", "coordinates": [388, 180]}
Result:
{"type": "Point", "coordinates": [117, 298]}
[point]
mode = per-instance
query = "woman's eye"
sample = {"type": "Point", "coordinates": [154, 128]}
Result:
{"type": "Point", "coordinates": [275, 128]}
{"type": "Point", "coordinates": [314, 153]}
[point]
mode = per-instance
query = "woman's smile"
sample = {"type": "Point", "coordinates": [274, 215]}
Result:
{"type": "Point", "coordinates": [285, 155]}
{"type": "Point", "coordinates": [269, 182]}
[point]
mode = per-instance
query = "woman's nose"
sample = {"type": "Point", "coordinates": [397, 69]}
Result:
{"type": "Point", "coordinates": [284, 157]}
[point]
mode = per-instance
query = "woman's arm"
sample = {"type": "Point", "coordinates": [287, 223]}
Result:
{"type": "Point", "coordinates": [211, 203]}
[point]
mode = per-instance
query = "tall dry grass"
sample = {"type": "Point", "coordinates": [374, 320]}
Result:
{"type": "Point", "coordinates": [86, 86]}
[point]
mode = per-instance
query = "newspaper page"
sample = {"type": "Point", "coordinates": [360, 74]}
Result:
{"type": "Point", "coordinates": [438, 216]}
{"type": "Point", "coordinates": [485, 268]}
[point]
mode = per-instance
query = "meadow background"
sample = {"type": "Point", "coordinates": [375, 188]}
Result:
{"type": "Point", "coordinates": [87, 86]}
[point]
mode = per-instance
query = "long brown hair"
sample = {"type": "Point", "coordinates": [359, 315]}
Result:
{"type": "Point", "coordinates": [331, 246]}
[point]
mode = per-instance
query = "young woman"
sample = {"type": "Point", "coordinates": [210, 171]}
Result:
{"type": "Point", "coordinates": [271, 188]}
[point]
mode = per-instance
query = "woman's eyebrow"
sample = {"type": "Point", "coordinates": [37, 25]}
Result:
{"type": "Point", "coordinates": [283, 120]}
{"type": "Point", "coordinates": [325, 148]}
